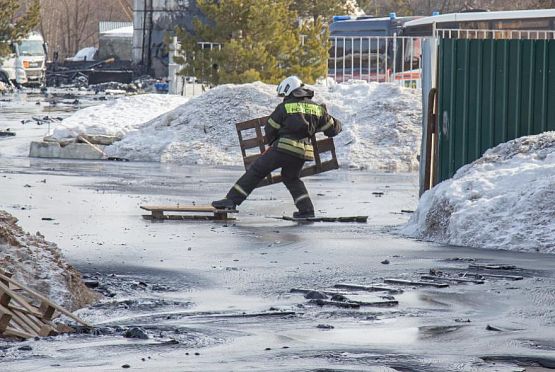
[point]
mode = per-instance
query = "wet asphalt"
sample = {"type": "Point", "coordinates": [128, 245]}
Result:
{"type": "Point", "coordinates": [217, 295]}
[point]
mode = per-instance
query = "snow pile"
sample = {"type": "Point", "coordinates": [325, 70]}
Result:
{"type": "Point", "coordinates": [117, 117]}
{"type": "Point", "coordinates": [381, 125]}
{"type": "Point", "coordinates": [504, 200]}
{"type": "Point", "coordinates": [38, 264]}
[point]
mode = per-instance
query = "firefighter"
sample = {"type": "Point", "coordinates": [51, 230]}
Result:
{"type": "Point", "coordinates": [289, 129]}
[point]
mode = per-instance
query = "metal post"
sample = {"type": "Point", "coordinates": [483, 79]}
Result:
{"type": "Point", "coordinates": [360, 59]}
{"type": "Point", "coordinates": [411, 56]}
{"type": "Point", "coordinates": [394, 56]}
{"type": "Point", "coordinates": [343, 59]}
{"type": "Point", "coordinates": [335, 59]}
{"type": "Point", "coordinates": [378, 59]}
{"type": "Point", "coordinates": [402, 60]}
{"type": "Point", "coordinates": [352, 57]}
{"type": "Point", "coordinates": [386, 57]}
{"type": "Point", "coordinates": [369, 59]}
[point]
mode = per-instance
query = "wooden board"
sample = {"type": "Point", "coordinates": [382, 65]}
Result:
{"type": "Point", "coordinates": [158, 212]}
{"type": "Point", "coordinates": [260, 143]}
{"type": "Point", "coordinates": [358, 219]}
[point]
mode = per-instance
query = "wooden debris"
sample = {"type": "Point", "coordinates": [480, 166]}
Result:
{"type": "Point", "coordinates": [358, 219]}
{"type": "Point", "coordinates": [492, 267]}
{"type": "Point", "coordinates": [415, 283]}
{"type": "Point", "coordinates": [368, 288]}
{"type": "Point", "coordinates": [19, 318]}
{"type": "Point", "coordinates": [348, 305]}
{"type": "Point", "coordinates": [496, 276]}
{"type": "Point", "coordinates": [452, 279]}
{"type": "Point", "coordinates": [386, 303]}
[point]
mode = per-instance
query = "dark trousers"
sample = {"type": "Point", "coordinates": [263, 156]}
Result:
{"type": "Point", "coordinates": [290, 172]}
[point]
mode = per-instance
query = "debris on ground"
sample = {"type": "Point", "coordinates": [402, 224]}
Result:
{"type": "Point", "coordinates": [504, 200]}
{"type": "Point", "coordinates": [21, 319]}
{"type": "Point", "coordinates": [40, 265]}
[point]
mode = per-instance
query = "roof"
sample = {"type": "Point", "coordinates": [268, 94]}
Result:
{"type": "Point", "coordinates": [483, 16]}
{"type": "Point", "coordinates": [122, 32]}
{"type": "Point", "coordinates": [104, 26]}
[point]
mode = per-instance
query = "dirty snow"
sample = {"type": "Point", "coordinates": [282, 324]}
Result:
{"type": "Point", "coordinates": [381, 126]}
{"type": "Point", "coordinates": [117, 117]}
{"type": "Point", "coordinates": [504, 200]}
{"type": "Point", "coordinates": [40, 265]}
{"type": "Point", "coordinates": [85, 54]}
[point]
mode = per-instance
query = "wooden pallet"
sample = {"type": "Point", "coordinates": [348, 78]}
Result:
{"type": "Point", "coordinates": [158, 212]}
{"type": "Point", "coordinates": [260, 142]}
{"type": "Point", "coordinates": [25, 313]}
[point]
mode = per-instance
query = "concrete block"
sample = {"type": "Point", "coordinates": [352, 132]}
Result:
{"type": "Point", "coordinates": [53, 150]}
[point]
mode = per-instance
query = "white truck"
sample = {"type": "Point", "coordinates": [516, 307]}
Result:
{"type": "Point", "coordinates": [27, 62]}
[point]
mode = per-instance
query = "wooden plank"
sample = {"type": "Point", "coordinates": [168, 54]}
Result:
{"type": "Point", "coordinates": [46, 310]}
{"type": "Point", "coordinates": [358, 219]}
{"type": "Point", "coordinates": [416, 283]}
{"type": "Point", "coordinates": [25, 324]}
{"type": "Point", "coordinates": [491, 267]}
{"type": "Point", "coordinates": [368, 288]}
{"type": "Point", "coordinates": [5, 319]}
{"type": "Point", "coordinates": [325, 145]}
{"type": "Point", "coordinates": [252, 143]}
{"type": "Point", "coordinates": [5, 298]}
{"type": "Point", "coordinates": [348, 305]}
{"type": "Point", "coordinates": [40, 297]}
{"type": "Point", "coordinates": [22, 310]}
{"type": "Point", "coordinates": [185, 208]}
{"type": "Point", "coordinates": [6, 273]}
{"type": "Point", "coordinates": [20, 300]}
{"type": "Point", "coordinates": [174, 217]}
{"type": "Point", "coordinates": [47, 330]}
{"type": "Point", "coordinates": [249, 124]}
{"type": "Point", "coordinates": [12, 332]}
{"type": "Point", "coordinates": [385, 303]}
{"type": "Point", "coordinates": [451, 279]}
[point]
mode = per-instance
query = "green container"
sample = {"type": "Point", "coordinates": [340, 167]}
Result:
{"type": "Point", "coordinates": [490, 92]}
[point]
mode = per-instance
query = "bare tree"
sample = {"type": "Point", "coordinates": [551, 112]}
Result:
{"type": "Point", "coordinates": [69, 25]}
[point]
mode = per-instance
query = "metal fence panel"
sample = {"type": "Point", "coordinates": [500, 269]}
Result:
{"type": "Point", "coordinates": [491, 91]}
{"type": "Point", "coordinates": [376, 59]}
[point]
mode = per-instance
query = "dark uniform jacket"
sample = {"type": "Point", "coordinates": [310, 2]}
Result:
{"type": "Point", "coordinates": [296, 120]}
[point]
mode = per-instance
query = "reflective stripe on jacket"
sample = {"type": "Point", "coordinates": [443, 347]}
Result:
{"type": "Point", "coordinates": [296, 120]}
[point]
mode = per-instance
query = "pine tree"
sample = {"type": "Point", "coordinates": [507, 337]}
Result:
{"type": "Point", "coordinates": [14, 27]}
{"type": "Point", "coordinates": [326, 9]}
{"type": "Point", "coordinates": [259, 39]}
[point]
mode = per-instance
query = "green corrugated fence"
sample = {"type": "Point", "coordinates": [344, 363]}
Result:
{"type": "Point", "coordinates": [491, 91]}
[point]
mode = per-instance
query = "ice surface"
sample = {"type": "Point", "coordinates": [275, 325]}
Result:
{"type": "Point", "coordinates": [504, 200]}
{"type": "Point", "coordinates": [381, 126]}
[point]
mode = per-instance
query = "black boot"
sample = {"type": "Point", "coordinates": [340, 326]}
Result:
{"type": "Point", "coordinates": [224, 204]}
{"type": "Point", "coordinates": [303, 214]}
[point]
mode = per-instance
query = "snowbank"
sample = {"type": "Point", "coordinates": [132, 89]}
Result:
{"type": "Point", "coordinates": [381, 126]}
{"type": "Point", "coordinates": [39, 265]}
{"type": "Point", "coordinates": [117, 117]}
{"type": "Point", "coordinates": [505, 200]}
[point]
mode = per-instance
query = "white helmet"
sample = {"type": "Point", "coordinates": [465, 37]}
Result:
{"type": "Point", "coordinates": [288, 85]}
